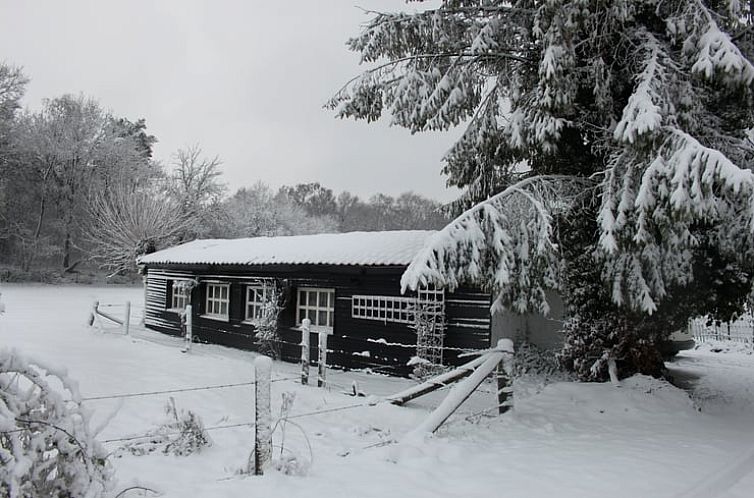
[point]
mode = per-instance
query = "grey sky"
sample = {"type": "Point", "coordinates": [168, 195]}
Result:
{"type": "Point", "coordinates": [245, 79]}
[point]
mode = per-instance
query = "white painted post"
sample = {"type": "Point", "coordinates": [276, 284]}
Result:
{"type": "Point", "coordinates": [322, 359]}
{"type": "Point", "coordinates": [93, 313]}
{"type": "Point", "coordinates": [262, 415]}
{"type": "Point", "coordinates": [189, 337]}
{"type": "Point", "coordinates": [305, 350]}
{"type": "Point", "coordinates": [127, 319]}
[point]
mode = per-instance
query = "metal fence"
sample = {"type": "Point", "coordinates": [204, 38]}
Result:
{"type": "Point", "coordinates": [741, 330]}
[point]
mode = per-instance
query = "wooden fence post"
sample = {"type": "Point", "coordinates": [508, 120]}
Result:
{"type": "Point", "coordinates": [262, 414]}
{"type": "Point", "coordinates": [463, 389]}
{"type": "Point", "coordinates": [93, 313]}
{"type": "Point", "coordinates": [305, 350]}
{"type": "Point", "coordinates": [189, 337]}
{"type": "Point", "coordinates": [322, 359]}
{"type": "Point", "coordinates": [127, 319]}
{"type": "Point", "coordinates": [502, 388]}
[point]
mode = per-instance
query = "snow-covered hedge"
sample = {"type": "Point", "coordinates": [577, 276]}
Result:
{"type": "Point", "coordinates": [46, 445]}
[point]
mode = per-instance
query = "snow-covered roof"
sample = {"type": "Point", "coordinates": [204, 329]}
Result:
{"type": "Point", "coordinates": [352, 248]}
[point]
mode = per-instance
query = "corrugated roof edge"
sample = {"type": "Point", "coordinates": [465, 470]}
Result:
{"type": "Point", "coordinates": [383, 248]}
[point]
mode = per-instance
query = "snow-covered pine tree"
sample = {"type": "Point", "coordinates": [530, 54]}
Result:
{"type": "Point", "coordinates": [647, 103]}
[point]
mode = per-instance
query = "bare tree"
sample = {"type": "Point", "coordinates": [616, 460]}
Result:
{"type": "Point", "coordinates": [196, 185]}
{"type": "Point", "coordinates": [128, 221]}
{"type": "Point", "coordinates": [257, 211]}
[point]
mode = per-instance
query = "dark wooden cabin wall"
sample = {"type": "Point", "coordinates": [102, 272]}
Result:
{"type": "Point", "coordinates": [467, 315]}
{"type": "Point", "coordinates": [157, 301]}
{"type": "Point", "coordinates": [356, 343]}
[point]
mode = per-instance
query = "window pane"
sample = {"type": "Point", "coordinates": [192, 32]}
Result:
{"type": "Point", "coordinates": [322, 318]}
{"type": "Point", "coordinates": [323, 299]}
{"type": "Point", "coordinates": [311, 315]}
{"type": "Point", "coordinates": [329, 319]}
{"type": "Point", "coordinates": [223, 308]}
{"type": "Point", "coordinates": [312, 298]}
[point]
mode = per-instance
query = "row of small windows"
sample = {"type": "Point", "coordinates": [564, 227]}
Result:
{"type": "Point", "coordinates": [383, 308]}
{"type": "Point", "coordinates": [314, 303]}
{"type": "Point", "coordinates": [397, 309]}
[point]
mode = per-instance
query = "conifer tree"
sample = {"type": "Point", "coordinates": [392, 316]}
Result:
{"type": "Point", "coordinates": [607, 154]}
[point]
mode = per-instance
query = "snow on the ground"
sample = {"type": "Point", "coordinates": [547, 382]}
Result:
{"type": "Point", "coordinates": [644, 438]}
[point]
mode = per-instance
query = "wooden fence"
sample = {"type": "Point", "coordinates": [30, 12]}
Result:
{"type": "Point", "coordinates": [741, 330]}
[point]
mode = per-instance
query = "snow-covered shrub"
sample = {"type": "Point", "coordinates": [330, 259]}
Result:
{"type": "Point", "coordinates": [266, 325]}
{"type": "Point", "coordinates": [530, 359]}
{"type": "Point", "coordinates": [47, 448]}
{"type": "Point", "coordinates": [181, 434]}
{"type": "Point", "coordinates": [424, 369]}
{"type": "Point", "coordinates": [290, 461]}
{"type": "Point", "coordinates": [589, 345]}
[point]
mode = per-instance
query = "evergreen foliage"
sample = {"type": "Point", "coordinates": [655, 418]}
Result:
{"type": "Point", "coordinates": [646, 103]}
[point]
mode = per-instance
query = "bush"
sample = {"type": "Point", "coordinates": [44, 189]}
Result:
{"type": "Point", "coordinates": [182, 434]}
{"type": "Point", "coordinates": [530, 359]}
{"type": "Point", "coordinates": [588, 345]}
{"type": "Point", "coordinates": [46, 446]}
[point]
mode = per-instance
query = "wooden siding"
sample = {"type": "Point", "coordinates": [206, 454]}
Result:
{"type": "Point", "coordinates": [157, 299]}
{"type": "Point", "coordinates": [355, 343]}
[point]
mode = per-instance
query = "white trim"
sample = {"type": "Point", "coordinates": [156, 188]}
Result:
{"type": "Point", "coordinates": [395, 309]}
{"type": "Point", "coordinates": [255, 304]}
{"type": "Point", "coordinates": [316, 308]}
{"type": "Point", "coordinates": [212, 302]}
{"type": "Point", "coordinates": [184, 294]}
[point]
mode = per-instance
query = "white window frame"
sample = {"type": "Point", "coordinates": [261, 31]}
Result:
{"type": "Point", "coordinates": [395, 309]}
{"type": "Point", "coordinates": [178, 292]}
{"type": "Point", "coordinates": [329, 309]}
{"type": "Point", "coordinates": [255, 304]}
{"type": "Point", "coordinates": [214, 302]}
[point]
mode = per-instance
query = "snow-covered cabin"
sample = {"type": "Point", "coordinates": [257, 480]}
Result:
{"type": "Point", "coordinates": [347, 284]}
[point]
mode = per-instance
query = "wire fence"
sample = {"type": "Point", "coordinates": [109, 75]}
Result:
{"type": "Point", "coordinates": [138, 329]}
{"type": "Point", "coordinates": [179, 390]}
{"type": "Point", "coordinates": [249, 424]}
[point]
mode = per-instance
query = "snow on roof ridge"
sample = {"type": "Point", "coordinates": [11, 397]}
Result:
{"type": "Point", "coordinates": [394, 247]}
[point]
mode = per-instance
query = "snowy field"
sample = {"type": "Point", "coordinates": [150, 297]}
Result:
{"type": "Point", "coordinates": [642, 439]}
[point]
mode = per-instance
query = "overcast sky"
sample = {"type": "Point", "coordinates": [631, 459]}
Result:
{"type": "Point", "coordinates": [244, 79]}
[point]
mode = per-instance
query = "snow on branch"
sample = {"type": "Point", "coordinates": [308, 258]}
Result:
{"type": "Point", "coordinates": [505, 243]}
{"type": "Point", "coordinates": [642, 114]}
{"type": "Point", "coordinates": [699, 178]}
{"type": "Point", "coordinates": [647, 245]}
{"type": "Point", "coordinates": [717, 55]}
